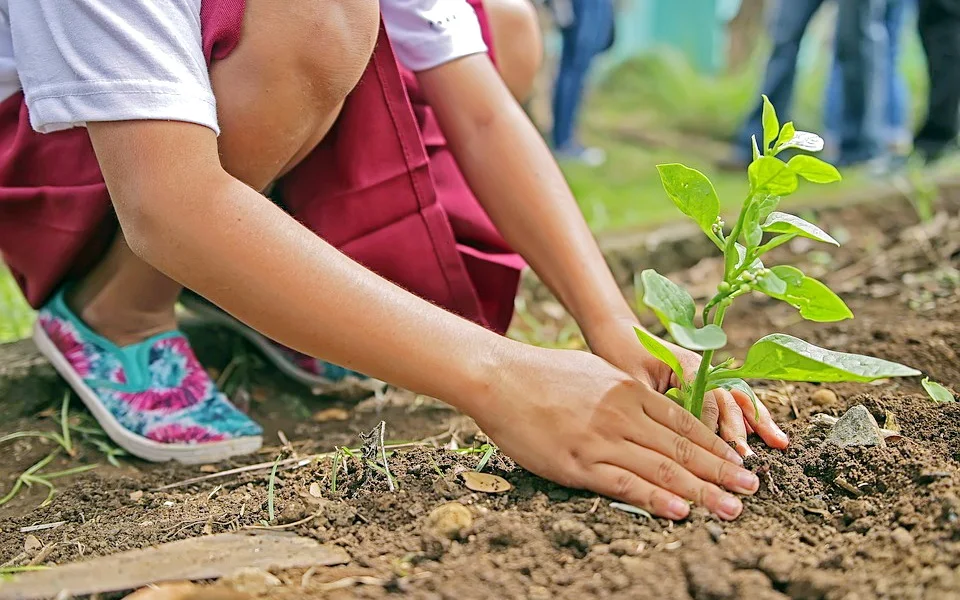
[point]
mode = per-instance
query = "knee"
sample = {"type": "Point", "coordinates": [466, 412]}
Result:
{"type": "Point", "coordinates": [334, 42]}
{"type": "Point", "coordinates": [517, 43]}
{"type": "Point", "coordinates": [280, 91]}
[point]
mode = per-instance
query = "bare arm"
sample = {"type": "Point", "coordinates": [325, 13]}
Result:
{"type": "Point", "coordinates": [569, 416]}
{"type": "Point", "coordinates": [516, 179]}
{"type": "Point", "coordinates": [183, 214]}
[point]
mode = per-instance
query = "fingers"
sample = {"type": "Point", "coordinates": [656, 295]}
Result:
{"type": "Point", "coordinates": [702, 464]}
{"type": "Point", "coordinates": [665, 412]}
{"type": "Point", "coordinates": [764, 426]}
{"type": "Point", "coordinates": [732, 426]}
{"type": "Point", "coordinates": [710, 415]}
{"type": "Point", "coordinates": [667, 474]}
{"type": "Point", "coordinates": [616, 482]}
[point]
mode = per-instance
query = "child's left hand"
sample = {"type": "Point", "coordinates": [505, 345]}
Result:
{"type": "Point", "coordinates": [732, 413]}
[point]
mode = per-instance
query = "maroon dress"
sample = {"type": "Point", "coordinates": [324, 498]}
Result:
{"type": "Point", "coordinates": [383, 187]}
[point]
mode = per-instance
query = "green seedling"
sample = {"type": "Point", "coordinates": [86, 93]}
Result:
{"type": "Point", "coordinates": [759, 229]}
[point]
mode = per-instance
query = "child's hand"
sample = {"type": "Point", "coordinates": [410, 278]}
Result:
{"type": "Point", "coordinates": [572, 417]}
{"type": "Point", "coordinates": [733, 413]}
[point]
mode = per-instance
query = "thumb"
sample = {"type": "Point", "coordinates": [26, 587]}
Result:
{"type": "Point", "coordinates": [710, 415]}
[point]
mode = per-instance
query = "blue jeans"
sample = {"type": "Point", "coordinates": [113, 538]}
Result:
{"type": "Point", "coordinates": [860, 45]}
{"type": "Point", "coordinates": [588, 36]}
{"type": "Point", "coordinates": [896, 94]}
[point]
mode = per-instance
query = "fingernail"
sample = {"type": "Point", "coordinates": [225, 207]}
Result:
{"type": "Point", "coordinates": [782, 436]}
{"type": "Point", "coordinates": [678, 509]}
{"type": "Point", "coordinates": [747, 482]}
{"type": "Point", "coordinates": [744, 447]}
{"type": "Point", "coordinates": [730, 507]}
{"type": "Point", "coordinates": [734, 456]}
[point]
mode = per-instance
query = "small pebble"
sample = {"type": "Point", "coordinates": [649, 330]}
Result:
{"type": "Point", "coordinates": [450, 521]}
{"type": "Point", "coordinates": [824, 397]}
{"type": "Point", "coordinates": [32, 545]}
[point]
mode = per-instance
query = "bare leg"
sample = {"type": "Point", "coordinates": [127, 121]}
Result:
{"type": "Point", "coordinates": [278, 94]}
{"type": "Point", "coordinates": [517, 43]}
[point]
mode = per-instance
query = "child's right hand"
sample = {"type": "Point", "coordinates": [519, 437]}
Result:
{"type": "Point", "coordinates": [573, 418]}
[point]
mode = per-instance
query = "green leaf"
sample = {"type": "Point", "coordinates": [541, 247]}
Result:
{"type": "Point", "coordinates": [761, 206]}
{"type": "Point", "coordinates": [742, 255]}
{"type": "Point", "coordinates": [786, 134]}
{"type": "Point", "coordinates": [814, 300]}
{"type": "Point", "coordinates": [779, 222]}
{"type": "Point", "coordinates": [813, 169]}
{"type": "Point", "coordinates": [936, 391]}
{"type": "Point", "coordinates": [756, 149]}
{"type": "Point", "coordinates": [770, 284]}
{"type": "Point", "coordinates": [692, 193]}
{"type": "Point", "coordinates": [780, 356]}
{"type": "Point", "coordinates": [659, 351]}
{"type": "Point", "coordinates": [736, 384]}
{"type": "Point", "coordinates": [675, 395]}
{"type": "Point", "coordinates": [670, 302]}
{"type": "Point", "coordinates": [771, 126]}
{"type": "Point", "coordinates": [803, 140]}
{"type": "Point", "coordinates": [771, 176]}
{"type": "Point", "coordinates": [710, 337]}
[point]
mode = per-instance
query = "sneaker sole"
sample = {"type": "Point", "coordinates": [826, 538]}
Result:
{"type": "Point", "coordinates": [209, 314]}
{"type": "Point", "coordinates": [137, 445]}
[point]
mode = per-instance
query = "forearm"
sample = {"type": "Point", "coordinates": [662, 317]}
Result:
{"type": "Point", "coordinates": [515, 178]}
{"type": "Point", "coordinates": [230, 244]}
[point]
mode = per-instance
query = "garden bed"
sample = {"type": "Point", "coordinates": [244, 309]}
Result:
{"type": "Point", "coordinates": [827, 523]}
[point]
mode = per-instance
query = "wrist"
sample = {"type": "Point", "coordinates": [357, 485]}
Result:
{"type": "Point", "coordinates": [479, 374]}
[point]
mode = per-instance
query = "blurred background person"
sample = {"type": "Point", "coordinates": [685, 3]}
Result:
{"type": "Point", "coordinates": [860, 50]}
{"type": "Point", "coordinates": [895, 115]}
{"type": "Point", "coordinates": [587, 30]}
{"type": "Point", "coordinates": [939, 26]}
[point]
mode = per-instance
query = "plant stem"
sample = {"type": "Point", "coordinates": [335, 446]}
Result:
{"type": "Point", "coordinates": [700, 383]}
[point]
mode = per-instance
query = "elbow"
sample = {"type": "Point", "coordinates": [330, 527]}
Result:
{"type": "Point", "coordinates": [155, 218]}
{"type": "Point", "coordinates": [141, 225]}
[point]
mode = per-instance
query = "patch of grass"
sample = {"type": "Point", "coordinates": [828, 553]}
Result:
{"type": "Point", "coordinates": [64, 441]}
{"type": "Point", "coordinates": [16, 317]}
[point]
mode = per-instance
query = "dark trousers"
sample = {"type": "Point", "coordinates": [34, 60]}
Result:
{"type": "Point", "coordinates": [939, 25]}
{"type": "Point", "coordinates": [860, 51]}
{"type": "Point", "coordinates": [584, 39]}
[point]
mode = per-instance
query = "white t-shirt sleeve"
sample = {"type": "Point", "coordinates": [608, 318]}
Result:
{"type": "Point", "coordinates": [83, 61]}
{"type": "Point", "coordinates": [428, 33]}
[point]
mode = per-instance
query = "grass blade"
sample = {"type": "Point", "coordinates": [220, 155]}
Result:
{"type": "Point", "coordinates": [270, 485]}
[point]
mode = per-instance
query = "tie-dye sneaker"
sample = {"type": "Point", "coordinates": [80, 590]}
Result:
{"type": "Point", "coordinates": [309, 371]}
{"type": "Point", "coordinates": [153, 399]}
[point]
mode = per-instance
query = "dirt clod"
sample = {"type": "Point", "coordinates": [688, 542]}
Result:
{"type": "Point", "coordinates": [901, 537]}
{"type": "Point", "coordinates": [573, 534]}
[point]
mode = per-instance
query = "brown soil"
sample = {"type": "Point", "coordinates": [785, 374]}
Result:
{"type": "Point", "coordinates": [827, 523]}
